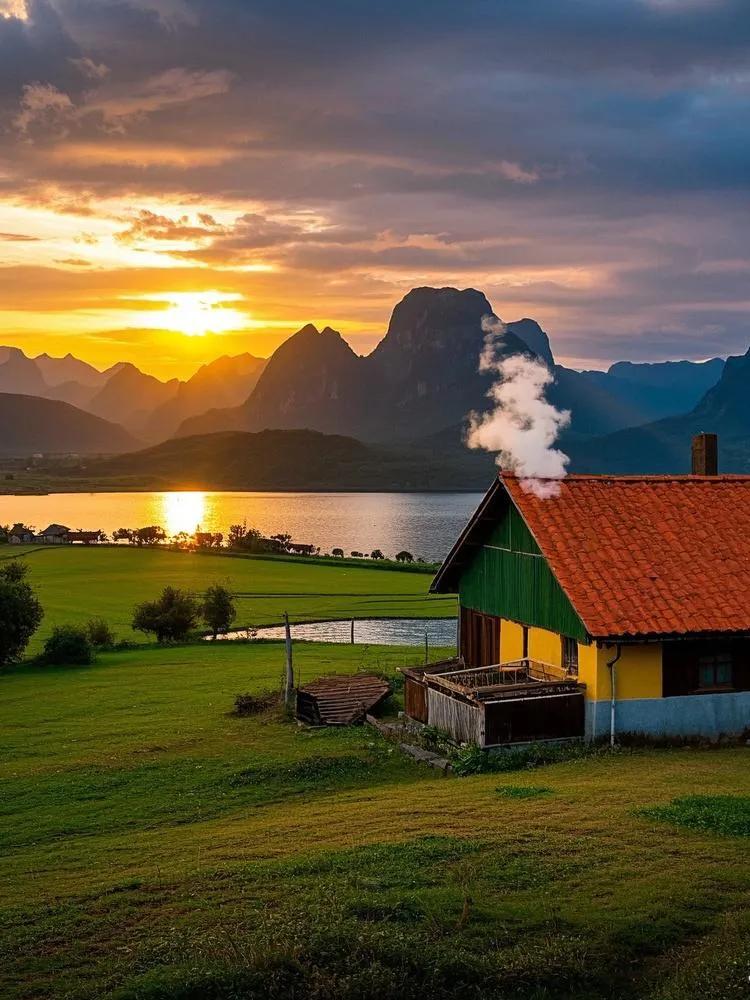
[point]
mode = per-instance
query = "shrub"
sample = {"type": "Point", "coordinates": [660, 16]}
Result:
{"type": "Point", "coordinates": [100, 634]}
{"type": "Point", "coordinates": [376, 554]}
{"type": "Point", "coordinates": [171, 617]}
{"type": "Point", "coordinates": [255, 704]}
{"type": "Point", "coordinates": [68, 645]}
{"type": "Point", "coordinates": [20, 611]}
{"type": "Point", "coordinates": [404, 556]}
{"type": "Point", "coordinates": [472, 759]}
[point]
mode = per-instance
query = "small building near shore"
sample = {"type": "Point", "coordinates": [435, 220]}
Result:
{"type": "Point", "coordinates": [53, 534]}
{"type": "Point", "coordinates": [20, 534]}
{"type": "Point", "coordinates": [637, 588]}
{"type": "Point", "coordinates": [83, 537]}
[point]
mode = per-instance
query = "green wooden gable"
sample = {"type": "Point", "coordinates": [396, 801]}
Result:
{"type": "Point", "coordinates": [509, 577]}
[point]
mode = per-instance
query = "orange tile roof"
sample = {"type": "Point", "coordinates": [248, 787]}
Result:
{"type": "Point", "coordinates": [647, 555]}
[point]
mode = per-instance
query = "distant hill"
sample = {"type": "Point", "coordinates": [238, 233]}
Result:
{"type": "Point", "coordinates": [57, 371]}
{"type": "Point", "coordinates": [664, 445]}
{"type": "Point", "coordinates": [226, 382]}
{"type": "Point", "coordinates": [19, 373]}
{"type": "Point", "coordinates": [129, 397]}
{"type": "Point", "coordinates": [288, 459]}
{"type": "Point", "coordinates": [33, 425]}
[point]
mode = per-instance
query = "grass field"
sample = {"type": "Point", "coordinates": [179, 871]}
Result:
{"type": "Point", "coordinates": [75, 584]}
{"type": "Point", "coordinates": [154, 846]}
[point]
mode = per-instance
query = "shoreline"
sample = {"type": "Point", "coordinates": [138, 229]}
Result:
{"type": "Point", "coordinates": [121, 488]}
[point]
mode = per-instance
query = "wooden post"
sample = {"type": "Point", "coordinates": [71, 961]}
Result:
{"type": "Point", "coordinates": [352, 631]}
{"type": "Point", "coordinates": [289, 668]}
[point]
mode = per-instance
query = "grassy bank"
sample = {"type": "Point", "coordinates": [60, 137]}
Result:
{"type": "Point", "coordinates": [155, 846]}
{"type": "Point", "coordinates": [75, 584]}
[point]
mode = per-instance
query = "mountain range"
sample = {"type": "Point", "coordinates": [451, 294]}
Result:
{"type": "Point", "coordinates": [663, 446]}
{"type": "Point", "coordinates": [410, 396]}
{"type": "Point", "coordinates": [149, 409]}
{"type": "Point", "coordinates": [423, 377]}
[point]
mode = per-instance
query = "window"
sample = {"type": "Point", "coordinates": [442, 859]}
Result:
{"type": "Point", "coordinates": [715, 671]}
{"type": "Point", "coordinates": [525, 647]}
{"type": "Point", "coordinates": [700, 666]}
{"type": "Point", "coordinates": [570, 654]}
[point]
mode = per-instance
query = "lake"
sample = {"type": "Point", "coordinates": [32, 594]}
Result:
{"type": "Point", "coordinates": [426, 524]}
{"type": "Point", "coordinates": [373, 631]}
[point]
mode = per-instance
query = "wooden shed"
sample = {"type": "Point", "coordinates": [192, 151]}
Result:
{"type": "Point", "coordinates": [492, 706]}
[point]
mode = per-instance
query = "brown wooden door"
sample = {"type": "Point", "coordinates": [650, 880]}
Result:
{"type": "Point", "coordinates": [480, 638]}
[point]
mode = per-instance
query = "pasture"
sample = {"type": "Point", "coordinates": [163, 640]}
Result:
{"type": "Point", "coordinates": [156, 846]}
{"type": "Point", "coordinates": [75, 584]}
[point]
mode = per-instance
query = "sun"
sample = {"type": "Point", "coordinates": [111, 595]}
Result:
{"type": "Point", "coordinates": [196, 314]}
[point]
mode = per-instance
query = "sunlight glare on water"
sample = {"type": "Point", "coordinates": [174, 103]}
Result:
{"type": "Point", "coordinates": [177, 512]}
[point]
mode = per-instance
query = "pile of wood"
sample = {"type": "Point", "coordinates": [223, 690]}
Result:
{"type": "Point", "coordinates": [340, 700]}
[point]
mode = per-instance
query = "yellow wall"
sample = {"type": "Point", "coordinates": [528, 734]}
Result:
{"type": "Point", "coordinates": [588, 668]}
{"type": "Point", "coordinates": [638, 669]}
{"type": "Point", "coordinates": [511, 641]}
{"type": "Point", "coordinates": [638, 672]}
{"type": "Point", "coordinates": [545, 646]}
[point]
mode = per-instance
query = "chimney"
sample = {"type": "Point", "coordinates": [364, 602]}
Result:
{"type": "Point", "coordinates": [705, 455]}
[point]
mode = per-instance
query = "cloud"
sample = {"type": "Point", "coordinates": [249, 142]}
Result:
{"type": "Point", "coordinates": [90, 69]}
{"type": "Point", "coordinates": [18, 238]}
{"type": "Point", "coordinates": [118, 103]}
{"type": "Point", "coordinates": [147, 225]}
{"type": "Point", "coordinates": [44, 109]}
{"type": "Point", "coordinates": [13, 9]}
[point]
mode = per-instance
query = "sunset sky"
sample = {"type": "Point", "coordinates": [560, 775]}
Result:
{"type": "Point", "coordinates": [181, 179]}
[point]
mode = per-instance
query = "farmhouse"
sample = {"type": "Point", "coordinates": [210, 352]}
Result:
{"type": "Point", "coordinates": [20, 534]}
{"type": "Point", "coordinates": [621, 604]}
{"type": "Point", "coordinates": [53, 534]}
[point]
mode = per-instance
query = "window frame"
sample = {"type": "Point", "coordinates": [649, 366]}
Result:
{"type": "Point", "coordinates": [569, 655]}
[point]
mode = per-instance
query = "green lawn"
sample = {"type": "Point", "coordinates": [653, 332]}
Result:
{"type": "Point", "coordinates": [75, 584]}
{"type": "Point", "coordinates": [154, 846]}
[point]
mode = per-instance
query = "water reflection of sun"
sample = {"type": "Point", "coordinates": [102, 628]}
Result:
{"type": "Point", "coordinates": [181, 512]}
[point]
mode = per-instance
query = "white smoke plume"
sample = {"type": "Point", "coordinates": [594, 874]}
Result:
{"type": "Point", "coordinates": [522, 426]}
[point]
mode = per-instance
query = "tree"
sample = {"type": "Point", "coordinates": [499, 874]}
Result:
{"type": "Point", "coordinates": [152, 534]}
{"type": "Point", "coordinates": [172, 616]}
{"type": "Point", "coordinates": [237, 533]}
{"type": "Point", "coordinates": [68, 645]}
{"type": "Point", "coordinates": [20, 611]}
{"type": "Point", "coordinates": [376, 554]}
{"type": "Point", "coordinates": [218, 609]}
{"type": "Point", "coordinates": [124, 535]}
{"type": "Point", "coordinates": [208, 539]}
{"type": "Point", "coordinates": [338, 552]}
{"type": "Point", "coordinates": [404, 556]}
{"type": "Point", "coordinates": [356, 555]}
